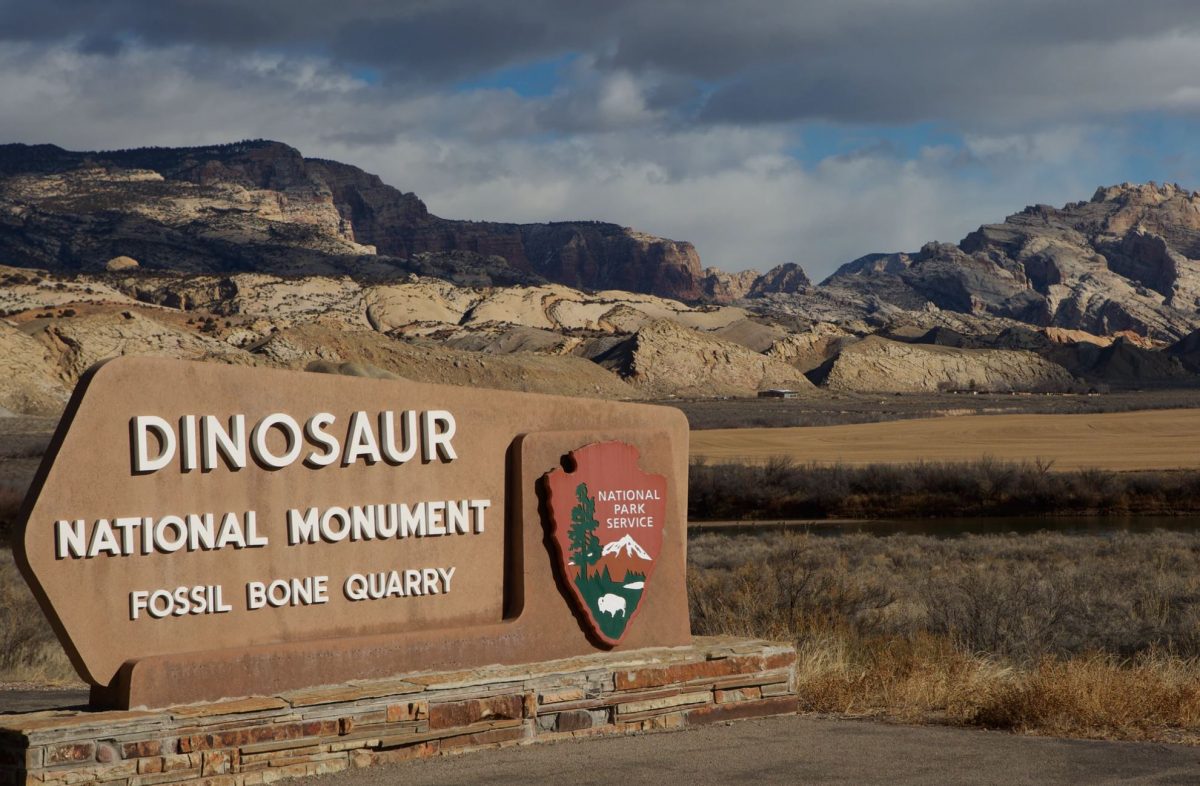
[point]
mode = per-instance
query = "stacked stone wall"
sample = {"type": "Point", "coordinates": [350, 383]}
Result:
{"type": "Point", "coordinates": [262, 739]}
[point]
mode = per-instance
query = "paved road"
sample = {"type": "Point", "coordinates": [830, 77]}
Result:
{"type": "Point", "coordinates": [802, 750]}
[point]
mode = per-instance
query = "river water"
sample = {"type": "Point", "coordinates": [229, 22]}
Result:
{"type": "Point", "coordinates": [956, 527]}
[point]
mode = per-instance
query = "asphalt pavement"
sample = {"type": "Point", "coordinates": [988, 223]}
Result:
{"type": "Point", "coordinates": [802, 750]}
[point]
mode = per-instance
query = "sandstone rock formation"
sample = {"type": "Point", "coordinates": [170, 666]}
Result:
{"type": "Point", "coordinates": [261, 206]}
{"type": "Point", "coordinates": [251, 253]}
{"type": "Point", "coordinates": [755, 334]}
{"type": "Point", "coordinates": [787, 278]}
{"type": "Point", "coordinates": [29, 382]}
{"type": "Point", "coordinates": [1187, 350]}
{"type": "Point", "coordinates": [666, 359]}
{"type": "Point", "coordinates": [1129, 259]}
{"type": "Point", "coordinates": [879, 365]}
{"type": "Point", "coordinates": [303, 346]}
{"type": "Point", "coordinates": [121, 263]}
{"type": "Point", "coordinates": [810, 349]}
{"type": "Point", "coordinates": [76, 344]}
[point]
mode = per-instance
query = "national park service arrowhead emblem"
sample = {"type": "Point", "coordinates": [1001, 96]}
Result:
{"type": "Point", "coordinates": [606, 519]}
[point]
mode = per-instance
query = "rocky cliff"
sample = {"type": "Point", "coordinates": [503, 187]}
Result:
{"type": "Point", "coordinates": [1128, 259]}
{"type": "Point", "coordinates": [262, 206]}
{"type": "Point", "coordinates": [253, 253]}
{"type": "Point", "coordinates": [665, 359]}
{"type": "Point", "coordinates": [879, 365]}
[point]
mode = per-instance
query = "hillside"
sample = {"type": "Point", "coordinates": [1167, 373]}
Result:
{"type": "Point", "coordinates": [262, 206]}
{"type": "Point", "coordinates": [252, 253]}
{"type": "Point", "coordinates": [1128, 259]}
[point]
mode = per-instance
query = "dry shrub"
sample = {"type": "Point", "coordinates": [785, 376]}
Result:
{"type": "Point", "coordinates": [782, 488]}
{"type": "Point", "coordinates": [1019, 597]}
{"type": "Point", "coordinates": [1081, 635]}
{"type": "Point", "coordinates": [927, 678]}
{"type": "Point", "coordinates": [29, 650]}
{"type": "Point", "coordinates": [10, 505]}
{"type": "Point", "coordinates": [797, 589]}
{"type": "Point", "coordinates": [1155, 696]}
{"type": "Point", "coordinates": [915, 679]}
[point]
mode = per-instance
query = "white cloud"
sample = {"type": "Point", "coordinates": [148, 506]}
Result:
{"type": "Point", "coordinates": [735, 191]}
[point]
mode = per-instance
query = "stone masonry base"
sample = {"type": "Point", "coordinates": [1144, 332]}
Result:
{"type": "Point", "coordinates": [262, 739]}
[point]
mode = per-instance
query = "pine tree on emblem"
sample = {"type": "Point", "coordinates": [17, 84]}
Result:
{"type": "Point", "coordinates": [585, 546]}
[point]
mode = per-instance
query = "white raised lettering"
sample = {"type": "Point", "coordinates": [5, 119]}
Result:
{"type": "Point", "coordinates": [314, 429]}
{"type": "Point", "coordinates": [201, 533]}
{"type": "Point", "coordinates": [387, 432]}
{"type": "Point", "coordinates": [433, 513]}
{"type": "Point", "coordinates": [412, 520]}
{"type": "Point", "coordinates": [335, 535]}
{"type": "Point", "coordinates": [291, 432]}
{"type": "Point", "coordinates": [435, 439]}
{"type": "Point", "coordinates": [188, 450]}
{"type": "Point", "coordinates": [231, 533]}
{"type": "Point", "coordinates": [360, 440]}
{"type": "Point", "coordinates": [230, 444]}
{"type": "Point", "coordinates": [253, 539]}
{"type": "Point", "coordinates": [479, 506]}
{"type": "Point", "coordinates": [69, 539]}
{"type": "Point", "coordinates": [302, 529]}
{"type": "Point", "coordinates": [160, 537]}
{"type": "Point", "coordinates": [141, 426]}
{"type": "Point", "coordinates": [103, 540]}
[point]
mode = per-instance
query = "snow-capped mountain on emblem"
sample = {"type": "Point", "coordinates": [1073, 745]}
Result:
{"type": "Point", "coordinates": [607, 519]}
{"type": "Point", "coordinates": [628, 544]}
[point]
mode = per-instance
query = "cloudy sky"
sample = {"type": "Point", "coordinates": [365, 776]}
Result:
{"type": "Point", "coordinates": [764, 132]}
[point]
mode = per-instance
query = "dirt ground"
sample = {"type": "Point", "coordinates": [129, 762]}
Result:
{"type": "Point", "coordinates": [1158, 439]}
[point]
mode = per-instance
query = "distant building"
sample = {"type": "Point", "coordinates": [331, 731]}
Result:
{"type": "Point", "coordinates": [778, 393]}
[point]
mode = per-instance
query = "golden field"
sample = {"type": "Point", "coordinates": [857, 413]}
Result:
{"type": "Point", "coordinates": [1118, 441]}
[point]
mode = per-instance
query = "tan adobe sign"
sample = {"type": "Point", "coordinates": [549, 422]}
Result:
{"type": "Point", "coordinates": [242, 529]}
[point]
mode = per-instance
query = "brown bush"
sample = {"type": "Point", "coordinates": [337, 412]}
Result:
{"type": "Point", "coordinates": [1083, 635]}
{"type": "Point", "coordinates": [29, 650]}
{"type": "Point", "coordinates": [10, 506]}
{"type": "Point", "coordinates": [781, 488]}
{"type": "Point", "coordinates": [1155, 696]}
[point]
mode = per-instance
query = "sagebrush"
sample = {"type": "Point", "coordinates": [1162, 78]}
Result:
{"type": "Point", "coordinates": [1080, 635]}
{"type": "Point", "coordinates": [783, 488]}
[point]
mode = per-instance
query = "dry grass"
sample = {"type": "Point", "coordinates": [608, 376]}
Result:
{"type": "Point", "coordinates": [11, 498]}
{"type": "Point", "coordinates": [926, 679]}
{"type": "Point", "coordinates": [29, 650]}
{"type": "Point", "coordinates": [1085, 636]}
{"type": "Point", "coordinates": [1124, 441]}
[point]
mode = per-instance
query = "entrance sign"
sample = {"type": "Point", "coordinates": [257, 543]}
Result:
{"type": "Point", "coordinates": [254, 530]}
{"type": "Point", "coordinates": [608, 518]}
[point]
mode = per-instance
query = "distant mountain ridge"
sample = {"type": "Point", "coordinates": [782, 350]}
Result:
{"type": "Point", "coordinates": [262, 206]}
{"type": "Point", "coordinates": [1128, 259]}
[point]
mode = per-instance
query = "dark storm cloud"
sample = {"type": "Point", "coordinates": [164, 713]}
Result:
{"type": "Point", "coordinates": [973, 61]}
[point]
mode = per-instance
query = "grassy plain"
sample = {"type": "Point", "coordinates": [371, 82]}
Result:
{"type": "Point", "coordinates": [1074, 635]}
{"type": "Point", "coordinates": [1123, 441]}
